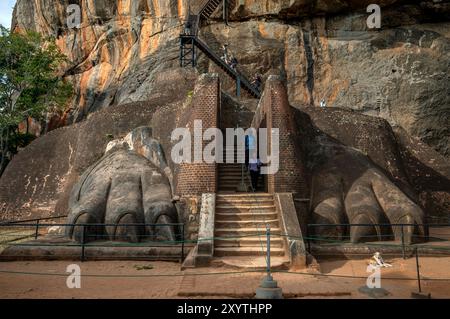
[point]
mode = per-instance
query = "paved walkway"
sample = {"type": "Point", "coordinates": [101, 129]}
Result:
{"type": "Point", "coordinates": [165, 280]}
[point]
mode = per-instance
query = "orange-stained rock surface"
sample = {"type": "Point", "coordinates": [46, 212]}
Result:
{"type": "Point", "coordinates": [127, 50]}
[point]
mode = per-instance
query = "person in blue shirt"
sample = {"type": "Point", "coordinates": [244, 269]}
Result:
{"type": "Point", "coordinates": [250, 147]}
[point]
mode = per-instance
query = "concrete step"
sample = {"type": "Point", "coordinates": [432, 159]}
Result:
{"type": "Point", "coordinates": [246, 216]}
{"type": "Point", "coordinates": [249, 242]}
{"type": "Point", "coordinates": [247, 223]}
{"type": "Point", "coordinates": [246, 251]}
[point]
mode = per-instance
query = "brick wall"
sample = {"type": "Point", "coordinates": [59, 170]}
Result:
{"type": "Point", "coordinates": [198, 178]}
{"type": "Point", "coordinates": [274, 111]}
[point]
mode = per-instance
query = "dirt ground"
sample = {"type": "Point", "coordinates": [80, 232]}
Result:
{"type": "Point", "coordinates": [129, 280]}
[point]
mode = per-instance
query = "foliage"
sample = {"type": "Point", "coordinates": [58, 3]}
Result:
{"type": "Point", "coordinates": [29, 85]}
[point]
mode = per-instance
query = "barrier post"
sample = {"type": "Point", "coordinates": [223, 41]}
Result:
{"type": "Point", "coordinates": [269, 288]}
{"type": "Point", "coordinates": [83, 241]}
{"type": "Point", "coordinates": [418, 270]}
{"type": "Point", "coordinates": [308, 239]}
{"type": "Point", "coordinates": [238, 86]}
{"type": "Point", "coordinates": [403, 243]}
{"type": "Point", "coordinates": [182, 243]}
{"type": "Point", "coordinates": [36, 233]}
{"type": "Point", "coordinates": [269, 275]}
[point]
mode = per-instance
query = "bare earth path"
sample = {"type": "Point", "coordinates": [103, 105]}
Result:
{"type": "Point", "coordinates": [134, 279]}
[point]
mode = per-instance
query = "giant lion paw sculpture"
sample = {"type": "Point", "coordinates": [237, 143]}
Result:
{"type": "Point", "coordinates": [128, 186]}
{"type": "Point", "coordinates": [350, 189]}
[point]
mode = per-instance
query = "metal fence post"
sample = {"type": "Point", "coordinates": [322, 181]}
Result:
{"type": "Point", "coordinates": [403, 243]}
{"type": "Point", "coordinates": [308, 240]}
{"type": "Point", "coordinates": [182, 243]}
{"type": "Point", "coordinates": [36, 234]}
{"type": "Point", "coordinates": [268, 252]}
{"type": "Point", "coordinates": [83, 241]}
{"type": "Point", "coordinates": [194, 54]}
{"type": "Point", "coordinates": [238, 86]}
{"type": "Point", "coordinates": [418, 270]}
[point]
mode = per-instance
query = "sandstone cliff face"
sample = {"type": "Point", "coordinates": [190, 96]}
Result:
{"type": "Point", "coordinates": [127, 51]}
{"type": "Point", "coordinates": [122, 48]}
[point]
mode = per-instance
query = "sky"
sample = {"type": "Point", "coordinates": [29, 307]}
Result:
{"type": "Point", "coordinates": [6, 9]}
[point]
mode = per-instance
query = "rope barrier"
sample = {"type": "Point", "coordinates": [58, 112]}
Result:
{"type": "Point", "coordinates": [216, 274]}
{"type": "Point", "coordinates": [178, 242]}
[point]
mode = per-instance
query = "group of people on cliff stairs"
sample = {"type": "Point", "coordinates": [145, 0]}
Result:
{"type": "Point", "coordinates": [231, 60]}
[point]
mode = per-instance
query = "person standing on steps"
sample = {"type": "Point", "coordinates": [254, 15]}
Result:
{"type": "Point", "coordinates": [225, 54]}
{"type": "Point", "coordinates": [250, 149]}
{"type": "Point", "coordinates": [257, 81]}
{"type": "Point", "coordinates": [255, 172]}
{"type": "Point", "coordinates": [233, 63]}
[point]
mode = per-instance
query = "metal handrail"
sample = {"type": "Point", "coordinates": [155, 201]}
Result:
{"type": "Point", "coordinates": [213, 56]}
{"type": "Point", "coordinates": [401, 225]}
{"type": "Point", "coordinates": [385, 224]}
{"type": "Point", "coordinates": [180, 233]}
{"type": "Point", "coordinates": [31, 220]}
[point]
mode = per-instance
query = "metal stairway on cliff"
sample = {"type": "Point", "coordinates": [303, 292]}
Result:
{"type": "Point", "coordinates": [190, 42]}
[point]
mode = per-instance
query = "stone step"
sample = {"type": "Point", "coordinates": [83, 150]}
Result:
{"type": "Point", "coordinates": [227, 188]}
{"type": "Point", "coordinates": [249, 201]}
{"type": "Point", "coordinates": [231, 166]}
{"type": "Point", "coordinates": [231, 185]}
{"type": "Point", "coordinates": [254, 263]}
{"type": "Point", "coordinates": [252, 204]}
{"type": "Point", "coordinates": [245, 195]}
{"type": "Point", "coordinates": [245, 216]}
{"type": "Point", "coordinates": [222, 224]}
{"type": "Point", "coordinates": [239, 232]}
{"type": "Point", "coordinates": [257, 241]}
{"type": "Point", "coordinates": [230, 182]}
{"type": "Point", "coordinates": [255, 209]}
{"type": "Point", "coordinates": [232, 170]}
{"type": "Point", "coordinates": [246, 251]}
{"type": "Point", "coordinates": [233, 177]}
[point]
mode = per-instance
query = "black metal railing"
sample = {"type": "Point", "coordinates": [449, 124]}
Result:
{"type": "Point", "coordinates": [430, 233]}
{"type": "Point", "coordinates": [31, 233]}
{"type": "Point", "coordinates": [35, 221]}
{"type": "Point", "coordinates": [188, 56]}
{"type": "Point", "coordinates": [189, 41]}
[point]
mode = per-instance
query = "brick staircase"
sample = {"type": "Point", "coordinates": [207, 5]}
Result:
{"type": "Point", "coordinates": [240, 225]}
{"type": "Point", "coordinates": [230, 175]}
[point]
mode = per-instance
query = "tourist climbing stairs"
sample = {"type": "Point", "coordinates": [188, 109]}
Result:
{"type": "Point", "coordinates": [242, 215]}
{"type": "Point", "coordinates": [190, 41]}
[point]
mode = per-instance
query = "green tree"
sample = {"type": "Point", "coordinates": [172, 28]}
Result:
{"type": "Point", "coordinates": [29, 86]}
